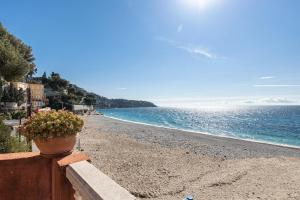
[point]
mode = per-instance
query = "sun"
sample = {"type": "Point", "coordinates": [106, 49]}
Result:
{"type": "Point", "coordinates": [199, 4]}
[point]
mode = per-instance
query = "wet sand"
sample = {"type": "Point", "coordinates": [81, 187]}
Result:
{"type": "Point", "coordinates": [165, 164]}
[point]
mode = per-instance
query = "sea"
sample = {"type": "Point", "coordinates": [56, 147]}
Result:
{"type": "Point", "coordinates": [278, 125]}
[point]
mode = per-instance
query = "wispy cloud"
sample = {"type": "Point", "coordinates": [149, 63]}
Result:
{"type": "Point", "coordinates": [180, 28]}
{"type": "Point", "coordinates": [198, 52]}
{"type": "Point", "coordinates": [272, 101]}
{"type": "Point", "coordinates": [277, 100]}
{"type": "Point", "coordinates": [192, 49]}
{"type": "Point", "coordinates": [121, 88]}
{"type": "Point", "coordinates": [281, 85]}
{"type": "Point", "coordinates": [266, 77]}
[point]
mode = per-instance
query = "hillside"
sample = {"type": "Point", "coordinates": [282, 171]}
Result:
{"type": "Point", "coordinates": [61, 93]}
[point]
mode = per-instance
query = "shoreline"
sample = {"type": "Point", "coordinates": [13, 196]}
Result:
{"type": "Point", "coordinates": [199, 143]}
{"type": "Point", "coordinates": [206, 133]}
{"type": "Point", "coordinates": [164, 164]}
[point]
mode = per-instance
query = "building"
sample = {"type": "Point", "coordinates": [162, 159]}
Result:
{"type": "Point", "coordinates": [82, 108]}
{"type": "Point", "coordinates": [37, 93]}
{"type": "Point", "coordinates": [10, 97]}
{"type": "Point", "coordinates": [19, 85]}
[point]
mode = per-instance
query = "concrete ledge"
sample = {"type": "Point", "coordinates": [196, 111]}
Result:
{"type": "Point", "coordinates": [92, 184]}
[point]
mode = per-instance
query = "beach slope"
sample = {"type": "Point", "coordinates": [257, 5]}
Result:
{"type": "Point", "coordinates": [164, 164]}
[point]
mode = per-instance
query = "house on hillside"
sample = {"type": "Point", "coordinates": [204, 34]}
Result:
{"type": "Point", "coordinates": [30, 93]}
{"type": "Point", "coordinates": [37, 95]}
{"type": "Point", "coordinates": [82, 108]}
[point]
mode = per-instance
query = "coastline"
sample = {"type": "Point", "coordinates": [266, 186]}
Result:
{"type": "Point", "coordinates": [199, 143]}
{"type": "Point", "coordinates": [207, 133]}
{"type": "Point", "coordinates": [163, 164]}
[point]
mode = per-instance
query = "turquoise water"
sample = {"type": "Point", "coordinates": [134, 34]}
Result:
{"type": "Point", "coordinates": [270, 124]}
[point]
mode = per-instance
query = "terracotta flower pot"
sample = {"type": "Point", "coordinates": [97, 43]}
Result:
{"type": "Point", "coordinates": [56, 146]}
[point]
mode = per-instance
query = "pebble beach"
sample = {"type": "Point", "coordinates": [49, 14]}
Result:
{"type": "Point", "coordinates": [166, 164]}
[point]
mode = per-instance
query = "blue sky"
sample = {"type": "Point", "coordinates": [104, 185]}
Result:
{"type": "Point", "coordinates": [173, 52]}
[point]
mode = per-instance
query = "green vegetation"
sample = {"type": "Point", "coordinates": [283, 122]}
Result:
{"type": "Point", "coordinates": [16, 59]}
{"type": "Point", "coordinates": [5, 115]}
{"type": "Point", "coordinates": [11, 94]}
{"type": "Point", "coordinates": [61, 93]}
{"type": "Point", "coordinates": [18, 114]}
{"type": "Point", "coordinates": [16, 63]}
{"type": "Point", "coordinates": [10, 144]}
{"type": "Point", "coordinates": [51, 124]}
{"type": "Point", "coordinates": [13, 115]}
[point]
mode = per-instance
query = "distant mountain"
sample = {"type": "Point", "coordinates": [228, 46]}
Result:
{"type": "Point", "coordinates": [61, 93]}
{"type": "Point", "coordinates": [103, 102]}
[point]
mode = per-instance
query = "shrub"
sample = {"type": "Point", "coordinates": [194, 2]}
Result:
{"type": "Point", "coordinates": [18, 114]}
{"type": "Point", "coordinates": [49, 124]}
{"type": "Point", "coordinates": [9, 144]}
{"type": "Point", "coordinates": [6, 115]}
{"type": "Point", "coordinates": [18, 146]}
{"type": "Point", "coordinates": [4, 138]}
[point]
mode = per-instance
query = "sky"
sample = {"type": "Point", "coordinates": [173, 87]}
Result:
{"type": "Point", "coordinates": [172, 52]}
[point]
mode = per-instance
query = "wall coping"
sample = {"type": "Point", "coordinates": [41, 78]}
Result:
{"type": "Point", "coordinates": [16, 156]}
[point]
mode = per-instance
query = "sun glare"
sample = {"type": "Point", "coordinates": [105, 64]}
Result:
{"type": "Point", "coordinates": [199, 4]}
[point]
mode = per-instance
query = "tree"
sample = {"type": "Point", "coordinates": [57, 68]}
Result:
{"type": "Point", "coordinates": [12, 94]}
{"type": "Point", "coordinates": [89, 99]}
{"type": "Point", "coordinates": [57, 83]}
{"type": "Point", "coordinates": [8, 143]}
{"type": "Point", "coordinates": [44, 78]}
{"type": "Point", "coordinates": [16, 58]}
{"type": "Point", "coordinates": [4, 138]}
{"type": "Point", "coordinates": [23, 50]}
